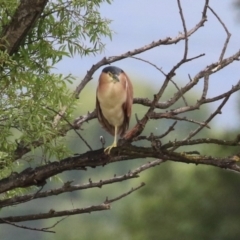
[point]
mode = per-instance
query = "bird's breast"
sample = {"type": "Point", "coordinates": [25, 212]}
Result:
{"type": "Point", "coordinates": [111, 97]}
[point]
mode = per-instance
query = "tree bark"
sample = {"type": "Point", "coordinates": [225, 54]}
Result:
{"type": "Point", "coordinates": [22, 22]}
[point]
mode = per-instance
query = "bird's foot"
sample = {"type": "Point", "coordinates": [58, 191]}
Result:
{"type": "Point", "coordinates": [107, 150]}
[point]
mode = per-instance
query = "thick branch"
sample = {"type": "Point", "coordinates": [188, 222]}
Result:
{"type": "Point", "coordinates": [39, 175]}
{"type": "Point", "coordinates": [21, 24]}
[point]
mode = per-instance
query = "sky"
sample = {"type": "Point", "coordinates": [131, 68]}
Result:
{"type": "Point", "coordinates": [139, 22]}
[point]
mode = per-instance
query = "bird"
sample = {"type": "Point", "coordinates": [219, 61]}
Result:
{"type": "Point", "coordinates": [114, 99]}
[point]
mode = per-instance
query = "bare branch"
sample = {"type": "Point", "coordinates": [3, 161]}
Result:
{"type": "Point", "coordinates": [227, 32]}
{"type": "Point", "coordinates": [52, 214]}
{"type": "Point", "coordinates": [151, 137]}
{"type": "Point", "coordinates": [201, 141]}
{"type": "Point", "coordinates": [80, 120]}
{"type": "Point", "coordinates": [205, 88]}
{"type": "Point", "coordinates": [160, 70]}
{"type": "Point", "coordinates": [25, 227]}
{"type": "Point", "coordinates": [152, 64]}
{"type": "Point", "coordinates": [170, 115]}
{"type": "Point", "coordinates": [184, 29]}
{"type": "Point", "coordinates": [108, 201]}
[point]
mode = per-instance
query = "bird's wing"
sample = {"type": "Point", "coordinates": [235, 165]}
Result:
{"type": "Point", "coordinates": [127, 106]}
{"type": "Point", "coordinates": [103, 121]}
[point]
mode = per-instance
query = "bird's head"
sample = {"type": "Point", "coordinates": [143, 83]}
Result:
{"type": "Point", "coordinates": [112, 73]}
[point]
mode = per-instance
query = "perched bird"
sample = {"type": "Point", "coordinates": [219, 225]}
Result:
{"type": "Point", "coordinates": [114, 102]}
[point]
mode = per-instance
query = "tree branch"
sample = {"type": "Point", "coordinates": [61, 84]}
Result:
{"type": "Point", "coordinates": [39, 175]}
{"type": "Point", "coordinates": [52, 213]}
{"type": "Point", "coordinates": [25, 227]}
{"type": "Point", "coordinates": [68, 187]}
{"type": "Point", "coordinates": [22, 22]}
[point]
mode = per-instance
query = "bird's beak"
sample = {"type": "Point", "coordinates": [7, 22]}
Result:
{"type": "Point", "coordinates": [115, 78]}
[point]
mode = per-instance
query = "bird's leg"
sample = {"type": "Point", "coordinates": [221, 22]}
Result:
{"type": "Point", "coordinates": [108, 149]}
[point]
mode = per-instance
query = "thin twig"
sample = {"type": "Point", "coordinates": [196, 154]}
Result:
{"type": "Point", "coordinates": [169, 115]}
{"type": "Point", "coordinates": [25, 227]}
{"type": "Point", "coordinates": [108, 201]}
{"type": "Point", "coordinates": [159, 69]}
{"type": "Point", "coordinates": [201, 141]}
{"type": "Point", "coordinates": [150, 63]}
{"type": "Point", "coordinates": [184, 29]}
{"type": "Point", "coordinates": [52, 213]}
{"type": "Point", "coordinates": [66, 120]}
{"type": "Point", "coordinates": [56, 223]}
{"type": "Point", "coordinates": [149, 138]}
{"type": "Point", "coordinates": [85, 118]}
{"type": "Point", "coordinates": [227, 32]}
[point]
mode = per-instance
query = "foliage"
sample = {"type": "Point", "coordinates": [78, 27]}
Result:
{"type": "Point", "coordinates": [31, 94]}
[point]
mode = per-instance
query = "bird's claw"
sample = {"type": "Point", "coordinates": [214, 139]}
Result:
{"type": "Point", "coordinates": [107, 150]}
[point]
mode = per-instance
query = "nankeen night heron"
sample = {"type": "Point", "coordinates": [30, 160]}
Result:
{"type": "Point", "coordinates": [114, 102]}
